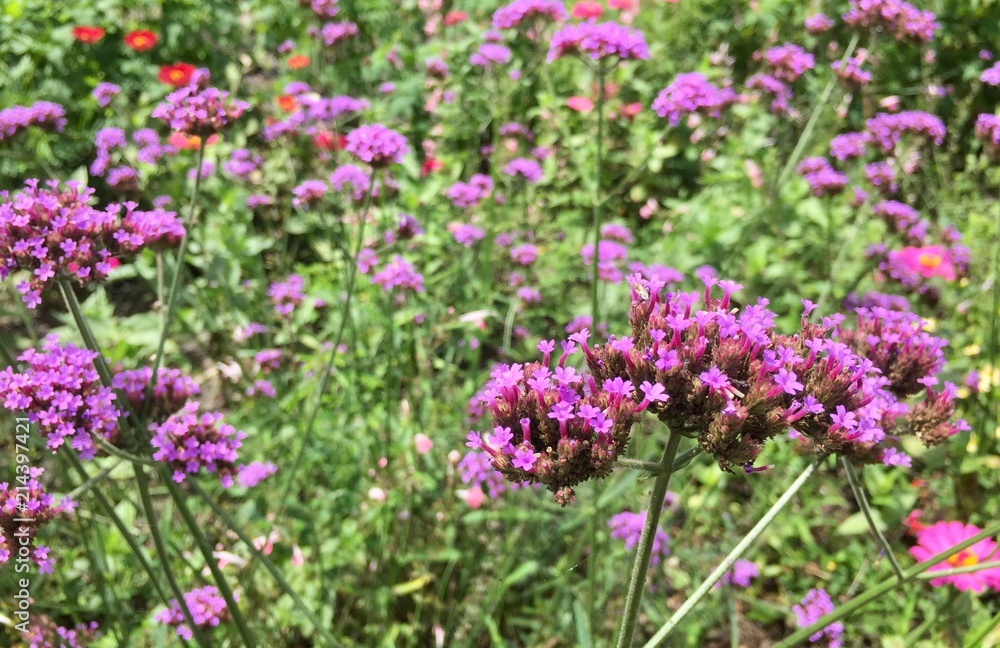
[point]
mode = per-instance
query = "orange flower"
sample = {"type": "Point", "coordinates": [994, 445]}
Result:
{"type": "Point", "coordinates": [140, 40]}
{"type": "Point", "coordinates": [87, 34]}
{"type": "Point", "coordinates": [287, 103]}
{"type": "Point", "coordinates": [177, 75]}
{"type": "Point", "coordinates": [298, 62]}
{"type": "Point", "coordinates": [186, 142]}
{"type": "Point", "coordinates": [454, 17]}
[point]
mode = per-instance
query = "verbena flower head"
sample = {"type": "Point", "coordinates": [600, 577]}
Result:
{"type": "Point", "coordinates": [627, 526]}
{"type": "Point", "coordinates": [471, 193]}
{"type": "Point", "coordinates": [335, 32]}
{"type": "Point", "coordinates": [41, 114]}
{"type": "Point", "coordinates": [242, 163]}
{"type": "Point", "coordinates": [813, 607]}
{"type": "Point", "coordinates": [691, 93]}
{"type": "Point", "coordinates": [991, 76]}
{"type": "Point", "coordinates": [554, 426]}
{"type": "Point", "coordinates": [788, 62]}
{"type": "Point", "coordinates": [104, 93]}
{"type": "Point", "coordinates": [733, 382]}
{"type": "Point", "coordinates": [308, 193]}
{"type": "Point", "coordinates": [172, 390]}
{"type": "Point", "coordinates": [490, 54]}
{"type": "Point", "coordinates": [207, 607]}
{"type": "Point", "coordinates": [26, 499]}
{"type": "Point", "coordinates": [823, 179]}
{"type": "Point", "coordinates": [514, 15]}
{"type": "Point", "coordinates": [896, 16]}
{"type": "Point", "coordinates": [886, 129]}
{"type": "Point", "coordinates": [525, 168]}
{"type": "Point", "coordinates": [598, 41]}
{"type": "Point", "coordinates": [850, 71]}
{"type": "Point", "coordinates": [44, 633]}
{"type": "Point", "coordinates": [287, 294]}
{"type": "Point", "coordinates": [51, 230]}
{"type": "Point", "coordinates": [818, 23]}
{"type": "Point", "coordinates": [323, 8]}
{"type": "Point", "coordinates": [254, 473]}
{"type": "Point", "coordinates": [988, 130]}
{"type": "Point", "coordinates": [611, 256]}
{"type": "Point", "coordinates": [188, 442]}
{"type": "Point", "coordinates": [376, 145]}
{"type": "Point", "coordinates": [779, 91]}
{"type": "Point", "coordinates": [351, 175]}
{"type": "Point", "coordinates": [882, 176]}
{"type": "Point", "coordinates": [62, 394]}
{"type": "Point", "coordinates": [466, 234]}
{"type": "Point", "coordinates": [742, 574]}
{"type": "Point", "coordinates": [942, 536]}
{"type": "Point", "coordinates": [399, 275]}
{"type": "Point", "coordinates": [199, 111]}
{"type": "Point", "coordinates": [848, 146]}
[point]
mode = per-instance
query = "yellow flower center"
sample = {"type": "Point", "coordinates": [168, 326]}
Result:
{"type": "Point", "coordinates": [930, 260]}
{"type": "Point", "coordinates": [963, 558]}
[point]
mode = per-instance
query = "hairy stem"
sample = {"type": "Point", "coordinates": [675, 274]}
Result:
{"type": "Point", "coordinates": [859, 494]}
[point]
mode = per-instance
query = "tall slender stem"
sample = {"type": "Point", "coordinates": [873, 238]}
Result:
{"type": "Point", "coordinates": [737, 551]}
{"type": "Point", "coordinates": [345, 315]}
{"type": "Point", "coordinates": [168, 314]}
{"type": "Point", "coordinates": [643, 553]}
{"type": "Point", "coordinates": [161, 552]}
{"type": "Point", "coordinates": [859, 494]}
{"type": "Point", "coordinates": [985, 433]}
{"type": "Point", "coordinates": [598, 203]}
{"type": "Point", "coordinates": [883, 588]}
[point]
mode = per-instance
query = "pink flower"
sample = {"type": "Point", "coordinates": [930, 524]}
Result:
{"type": "Point", "coordinates": [624, 5]}
{"type": "Point", "coordinates": [586, 10]}
{"type": "Point", "coordinates": [929, 261]}
{"type": "Point", "coordinates": [944, 535]}
{"type": "Point", "coordinates": [376, 494]}
{"type": "Point", "coordinates": [297, 558]}
{"type": "Point", "coordinates": [580, 104]}
{"type": "Point", "coordinates": [473, 497]}
{"type": "Point", "coordinates": [423, 443]}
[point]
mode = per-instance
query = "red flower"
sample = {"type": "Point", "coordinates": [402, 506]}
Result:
{"type": "Point", "coordinates": [326, 141]}
{"type": "Point", "coordinates": [298, 62]}
{"type": "Point", "coordinates": [455, 17]}
{"type": "Point", "coordinates": [429, 166]}
{"type": "Point", "coordinates": [87, 34]}
{"type": "Point", "coordinates": [177, 75]}
{"type": "Point", "coordinates": [140, 40]}
{"type": "Point", "coordinates": [287, 103]}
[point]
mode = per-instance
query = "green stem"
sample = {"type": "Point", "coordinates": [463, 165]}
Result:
{"type": "Point", "coordinates": [206, 552]}
{"type": "Point", "coordinates": [161, 552]}
{"type": "Point", "coordinates": [958, 571]}
{"type": "Point", "coordinates": [598, 203]}
{"type": "Point", "coordinates": [73, 304]}
{"type": "Point", "coordinates": [168, 316]}
{"type": "Point", "coordinates": [883, 588]}
{"type": "Point", "coordinates": [734, 623]}
{"type": "Point", "coordinates": [729, 560]}
{"type": "Point", "coordinates": [859, 495]}
{"type": "Point", "coordinates": [77, 492]}
{"type": "Point", "coordinates": [282, 583]}
{"type": "Point", "coordinates": [985, 435]}
{"type": "Point", "coordinates": [637, 582]}
{"type": "Point", "coordinates": [654, 468]}
{"type": "Point", "coordinates": [345, 315]}
{"type": "Point", "coordinates": [984, 632]}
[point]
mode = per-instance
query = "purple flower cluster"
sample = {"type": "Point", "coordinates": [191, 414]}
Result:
{"type": "Point", "coordinates": [988, 130]}
{"type": "Point", "coordinates": [43, 633]}
{"type": "Point", "coordinates": [188, 442]}
{"type": "Point", "coordinates": [598, 41]}
{"type": "Point", "coordinates": [314, 114]}
{"type": "Point", "coordinates": [25, 507]}
{"type": "Point", "coordinates": [437, 68]}
{"type": "Point", "coordinates": [476, 469]}
{"type": "Point", "coordinates": [467, 235]}
{"type": "Point", "coordinates": [526, 168]}
{"type": "Point", "coordinates": [886, 129]}
{"type": "Point", "coordinates": [62, 394]}
{"type": "Point", "coordinates": [376, 145]}
{"type": "Point", "coordinates": [818, 23]}
{"type": "Point", "coordinates": [555, 426]}
{"type": "Point", "coordinates": [873, 299]}
{"type": "Point", "coordinates": [778, 90]}
{"type": "Point", "coordinates": [611, 256]}
{"type": "Point", "coordinates": [991, 76]}
{"type": "Point", "coordinates": [48, 231]}
{"type": "Point", "coordinates": [525, 254]}
{"type": "Point", "coordinates": [323, 8]}
{"type": "Point", "coordinates": [897, 16]}
{"type": "Point", "coordinates": [847, 146]}
{"type": "Point", "coordinates": [199, 111]}
{"type": "Point", "coordinates": [287, 294]}
{"type": "Point", "coordinates": [150, 148]}
{"type": "Point", "coordinates": [308, 193]}
{"type": "Point", "coordinates": [471, 193]}
{"type": "Point", "coordinates": [242, 163]}
{"type": "Point", "coordinates": [789, 62]}
{"type": "Point", "coordinates": [105, 141]}
{"type": "Point", "coordinates": [742, 574]}
{"type": "Point", "coordinates": [902, 219]}
{"type": "Point", "coordinates": [207, 607]}
{"type": "Point", "coordinates": [511, 16]}
{"type": "Point", "coordinates": [490, 54]}
{"type": "Point", "coordinates": [691, 93]}
{"type": "Point", "coordinates": [104, 93]}
{"type": "Point", "coordinates": [399, 273]}
{"type": "Point", "coordinates": [254, 473]}
{"type": "Point", "coordinates": [627, 526]}
{"type": "Point", "coordinates": [350, 174]}
{"type": "Point", "coordinates": [814, 606]}
{"type": "Point", "coordinates": [850, 71]}
{"type": "Point", "coordinates": [172, 390]}
{"type": "Point", "coordinates": [882, 176]}
{"type": "Point", "coordinates": [823, 179]}
{"type": "Point", "coordinates": [335, 32]}
{"type": "Point", "coordinates": [42, 114]}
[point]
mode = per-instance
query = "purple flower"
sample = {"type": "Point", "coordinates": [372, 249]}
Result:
{"type": "Point", "coordinates": [598, 41]}
{"type": "Point", "coordinates": [818, 23]}
{"type": "Point", "coordinates": [399, 273]}
{"type": "Point", "coordinates": [896, 16]}
{"type": "Point", "coordinates": [104, 93]}
{"type": "Point", "coordinates": [524, 254]}
{"type": "Point", "coordinates": [628, 527]}
{"type": "Point", "coordinates": [376, 145]}
{"type": "Point", "coordinates": [526, 168]}
{"type": "Point", "coordinates": [254, 473]}
{"type": "Point", "coordinates": [335, 32]}
{"type": "Point", "coordinates": [511, 16]}
{"type": "Point", "coordinates": [788, 62]}
{"type": "Point", "coordinates": [199, 111]}
{"type": "Point", "coordinates": [886, 129]}
{"type": "Point", "coordinates": [188, 443]}
{"type": "Point", "coordinates": [42, 114]}
{"type": "Point", "coordinates": [814, 606]}
{"type": "Point", "coordinates": [742, 574]}
{"type": "Point", "coordinates": [242, 163]}
{"type": "Point", "coordinates": [991, 76]}
{"type": "Point", "coordinates": [778, 90]}
{"type": "Point", "coordinates": [848, 145]}
{"type": "Point", "coordinates": [25, 507]}
{"type": "Point", "coordinates": [349, 174]}
{"type": "Point", "coordinates": [287, 294]}
{"type": "Point", "coordinates": [207, 608]}
{"type": "Point", "coordinates": [467, 235]}
{"type": "Point", "coordinates": [490, 54]}
{"type": "Point", "coordinates": [715, 380]}
{"type": "Point", "coordinates": [308, 193]}
{"type": "Point", "coordinates": [691, 93]}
